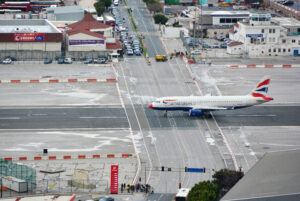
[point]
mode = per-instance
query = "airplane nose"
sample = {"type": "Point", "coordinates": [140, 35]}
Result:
{"type": "Point", "coordinates": [150, 106]}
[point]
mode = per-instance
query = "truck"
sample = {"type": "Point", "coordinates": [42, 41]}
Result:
{"type": "Point", "coordinates": [161, 58]}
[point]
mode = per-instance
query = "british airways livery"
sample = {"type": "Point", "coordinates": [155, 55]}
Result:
{"type": "Point", "coordinates": [199, 105]}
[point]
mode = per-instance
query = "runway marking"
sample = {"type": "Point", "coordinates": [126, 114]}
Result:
{"type": "Point", "coordinates": [10, 118]}
{"type": "Point", "coordinates": [102, 117]}
{"type": "Point", "coordinates": [248, 115]}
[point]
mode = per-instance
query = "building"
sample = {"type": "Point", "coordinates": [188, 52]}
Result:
{"type": "Point", "coordinates": [44, 198]}
{"type": "Point", "coordinates": [90, 38]}
{"type": "Point", "coordinates": [29, 39]}
{"type": "Point", "coordinates": [262, 36]}
{"type": "Point", "coordinates": [65, 13]}
{"type": "Point", "coordinates": [275, 177]}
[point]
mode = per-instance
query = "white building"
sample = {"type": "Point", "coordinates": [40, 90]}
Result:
{"type": "Point", "coordinates": [263, 37]}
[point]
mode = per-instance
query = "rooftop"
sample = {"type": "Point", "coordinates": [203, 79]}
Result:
{"type": "Point", "coordinates": [27, 26]}
{"type": "Point", "coordinates": [88, 23]}
{"type": "Point", "coordinates": [76, 31]}
{"type": "Point", "coordinates": [286, 21]}
{"type": "Point", "coordinates": [275, 175]}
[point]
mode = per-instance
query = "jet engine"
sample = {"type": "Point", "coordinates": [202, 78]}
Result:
{"type": "Point", "coordinates": [193, 112]}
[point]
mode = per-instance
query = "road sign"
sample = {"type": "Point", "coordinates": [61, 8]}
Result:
{"type": "Point", "coordinates": [198, 170]}
{"type": "Point", "coordinates": [114, 184]}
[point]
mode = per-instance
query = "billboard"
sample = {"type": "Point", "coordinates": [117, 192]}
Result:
{"type": "Point", "coordinates": [114, 184]}
{"type": "Point", "coordinates": [86, 42]}
{"type": "Point", "coordinates": [28, 37]}
{"type": "Point", "coordinates": [254, 35]}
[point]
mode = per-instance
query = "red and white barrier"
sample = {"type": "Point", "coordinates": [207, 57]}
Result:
{"type": "Point", "coordinates": [67, 157]}
{"type": "Point", "coordinates": [60, 80]}
{"type": "Point", "coordinates": [265, 66]}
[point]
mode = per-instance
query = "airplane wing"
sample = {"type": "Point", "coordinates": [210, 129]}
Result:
{"type": "Point", "coordinates": [210, 108]}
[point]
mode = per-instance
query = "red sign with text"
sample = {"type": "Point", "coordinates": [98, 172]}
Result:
{"type": "Point", "coordinates": [26, 37]}
{"type": "Point", "coordinates": [114, 182]}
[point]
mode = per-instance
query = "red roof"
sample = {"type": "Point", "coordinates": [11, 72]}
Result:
{"type": "Point", "coordinates": [76, 31]}
{"type": "Point", "coordinates": [113, 46]}
{"type": "Point", "coordinates": [235, 44]}
{"type": "Point", "coordinates": [88, 23]}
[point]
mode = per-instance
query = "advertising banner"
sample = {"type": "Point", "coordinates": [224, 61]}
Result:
{"type": "Point", "coordinates": [27, 37]}
{"type": "Point", "coordinates": [114, 182]}
{"type": "Point", "coordinates": [86, 42]}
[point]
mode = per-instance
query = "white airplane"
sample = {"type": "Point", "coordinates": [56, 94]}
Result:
{"type": "Point", "coordinates": [200, 105]}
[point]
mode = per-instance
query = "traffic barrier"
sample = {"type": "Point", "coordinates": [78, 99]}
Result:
{"type": "Point", "coordinates": [15, 81]}
{"type": "Point", "coordinates": [111, 80]}
{"type": "Point", "coordinates": [37, 158]}
{"type": "Point", "coordinates": [81, 156]}
{"type": "Point", "coordinates": [286, 66]}
{"type": "Point", "coordinates": [265, 66]}
{"type": "Point", "coordinates": [68, 157]}
{"type": "Point", "coordinates": [52, 157]}
{"type": "Point", "coordinates": [34, 81]}
{"type": "Point", "coordinates": [72, 80]}
{"type": "Point", "coordinates": [54, 81]}
{"type": "Point", "coordinates": [92, 80]}
{"type": "Point", "coordinates": [8, 159]}
{"type": "Point", "coordinates": [251, 66]}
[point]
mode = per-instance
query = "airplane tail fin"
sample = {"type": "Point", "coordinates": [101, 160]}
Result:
{"type": "Point", "coordinates": [261, 89]}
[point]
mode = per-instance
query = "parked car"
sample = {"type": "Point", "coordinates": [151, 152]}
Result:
{"type": "Point", "coordinates": [129, 52]}
{"type": "Point", "coordinates": [7, 61]}
{"type": "Point", "coordinates": [216, 45]}
{"type": "Point", "coordinates": [47, 61]}
{"type": "Point", "coordinates": [137, 52]}
{"type": "Point", "coordinates": [68, 60]}
{"type": "Point", "coordinates": [88, 61]}
{"type": "Point", "coordinates": [195, 52]}
{"type": "Point", "coordinates": [60, 60]}
{"type": "Point", "coordinates": [11, 58]}
{"type": "Point", "coordinates": [223, 45]}
{"type": "Point", "coordinates": [107, 199]}
{"type": "Point", "coordinates": [99, 61]}
{"type": "Point", "coordinates": [206, 45]}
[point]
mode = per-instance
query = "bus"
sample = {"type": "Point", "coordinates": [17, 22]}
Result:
{"type": "Point", "coordinates": [182, 194]}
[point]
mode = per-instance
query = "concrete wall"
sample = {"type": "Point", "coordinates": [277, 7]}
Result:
{"type": "Point", "coordinates": [91, 55]}
{"type": "Point", "coordinates": [30, 46]}
{"type": "Point", "coordinates": [29, 55]}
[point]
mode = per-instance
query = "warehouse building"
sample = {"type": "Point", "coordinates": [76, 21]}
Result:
{"type": "Point", "coordinates": [65, 13]}
{"type": "Point", "coordinates": [29, 39]}
{"type": "Point", "coordinates": [275, 177]}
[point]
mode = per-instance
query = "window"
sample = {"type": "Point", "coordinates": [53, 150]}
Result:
{"type": "Point", "coordinates": [274, 50]}
{"type": "Point", "coordinates": [289, 50]}
{"type": "Point", "coordinates": [270, 30]}
{"type": "Point", "coordinates": [273, 30]}
{"type": "Point", "coordinates": [298, 42]}
{"type": "Point", "coordinates": [262, 40]}
{"type": "Point", "coordinates": [293, 41]}
{"type": "Point", "coordinates": [234, 20]}
{"type": "Point", "coordinates": [273, 39]}
{"type": "Point", "coordinates": [222, 20]}
{"type": "Point", "coordinates": [279, 50]}
{"type": "Point", "coordinates": [270, 39]}
{"type": "Point", "coordinates": [283, 41]}
{"type": "Point", "coordinates": [270, 50]}
{"type": "Point", "coordinates": [262, 31]}
{"type": "Point", "coordinates": [228, 20]}
{"type": "Point", "coordinates": [283, 50]}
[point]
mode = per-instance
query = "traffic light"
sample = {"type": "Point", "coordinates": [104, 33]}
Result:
{"type": "Point", "coordinates": [162, 168]}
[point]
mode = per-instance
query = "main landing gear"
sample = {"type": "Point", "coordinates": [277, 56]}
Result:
{"type": "Point", "coordinates": [166, 114]}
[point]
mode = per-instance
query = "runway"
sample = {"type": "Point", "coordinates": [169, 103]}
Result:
{"type": "Point", "coordinates": [115, 118]}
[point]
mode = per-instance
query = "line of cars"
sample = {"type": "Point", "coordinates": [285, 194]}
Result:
{"type": "Point", "coordinates": [132, 46]}
{"type": "Point", "coordinates": [205, 43]}
{"type": "Point", "coordinates": [60, 60]}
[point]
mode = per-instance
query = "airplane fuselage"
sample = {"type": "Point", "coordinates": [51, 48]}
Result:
{"type": "Point", "coordinates": [189, 102]}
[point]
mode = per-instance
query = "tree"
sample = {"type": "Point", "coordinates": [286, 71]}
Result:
{"type": "Point", "coordinates": [226, 179]}
{"type": "Point", "coordinates": [107, 3]}
{"type": "Point", "coordinates": [160, 19]}
{"type": "Point", "coordinates": [204, 191]}
{"type": "Point", "coordinates": [100, 7]}
{"type": "Point", "coordinates": [155, 7]}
